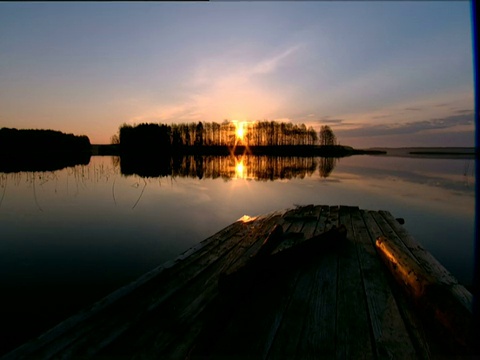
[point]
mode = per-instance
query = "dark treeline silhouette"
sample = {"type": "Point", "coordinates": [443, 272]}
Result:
{"type": "Point", "coordinates": [41, 150]}
{"type": "Point", "coordinates": [166, 138]}
{"type": "Point", "coordinates": [227, 167]}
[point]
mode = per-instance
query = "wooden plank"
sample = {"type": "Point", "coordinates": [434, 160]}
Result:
{"type": "Point", "coordinates": [240, 279]}
{"type": "Point", "coordinates": [255, 321]}
{"type": "Point", "coordinates": [404, 267]}
{"type": "Point", "coordinates": [245, 267]}
{"type": "Point", "coordinates": [430, 264]}
{"type": "Point", "coordinates": [389, 331]}
{"type": "Point", "coordinates": [310, 225]}
{"type": "Point", "coordinates": [318, 333]}
{"type": "Point", "coordinates": [178, 314]}
{"type": "Point", "coordinates": [262, 307]}
{"type": "Point", "coordinates": [441, 308]}
{"type": "Point", "coordinates": [332, 218]}
{"type": "Point", "coordinates": [294, 228]}
{"type": "Point", "coordinates": [414, 327]}
{"type": "Point", "coordinates": [289, 332]}
{"type": "Point", "coordinates": [305, 301]}
{"type": "Point", "coordinates": [353, 334]}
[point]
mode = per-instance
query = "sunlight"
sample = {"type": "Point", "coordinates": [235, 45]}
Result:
{"type": "Point", "coordinates": [239, 170]}
{"type": "Point", "coordinates": [247, 218]}
{"type": "Point", "coordinates": [239, 131]}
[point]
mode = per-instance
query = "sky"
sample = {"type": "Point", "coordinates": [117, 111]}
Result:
{"type": "Point", "coordinates": [379, 73]}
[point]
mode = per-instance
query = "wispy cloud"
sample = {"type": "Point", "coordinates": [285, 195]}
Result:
{"type": "Point", "coordinates": [330, 121]}
{"type": "Point", "coordinates": [414, 127]}
{"type": "Point", "coordinates": [463, 111]}
{"type": "Point", "coordinates": [226, 86]}
{"type": "Point", "coordinates": [271, 64]}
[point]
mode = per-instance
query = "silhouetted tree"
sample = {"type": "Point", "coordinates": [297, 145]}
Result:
{"type": "Point", "coordinates": [115, 139]}
{"type": "Point", "coordinates": [199, 134]}
{"type": "Point", "coordinates": [327, 137]}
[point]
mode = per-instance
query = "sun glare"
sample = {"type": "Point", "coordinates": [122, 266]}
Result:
{"type": "Point", "coordinates": [239, 131]}
{"type": "Point", "coordinates": [239, 170]}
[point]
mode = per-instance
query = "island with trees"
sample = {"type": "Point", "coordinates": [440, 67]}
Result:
{"type": "Point", "coordinates": [230, 137]}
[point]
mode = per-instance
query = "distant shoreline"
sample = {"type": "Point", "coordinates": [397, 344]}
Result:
{"type": "Point", "coordinates": [466, 153]}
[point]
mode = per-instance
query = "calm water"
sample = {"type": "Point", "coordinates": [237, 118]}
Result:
{"type": "Point", "coordinates": [71, 236]}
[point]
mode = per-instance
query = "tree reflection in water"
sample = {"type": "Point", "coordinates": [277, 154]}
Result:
{"type": "Point", "coordinates": [326, 166]}
{"type": "Point", "coordinates": [227, 167]}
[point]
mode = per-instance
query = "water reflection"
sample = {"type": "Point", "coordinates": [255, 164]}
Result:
{"type": "Point", "coordinates": [38, 162]}
{"type": "Point", "coordinates": [228, 167]}
{"type": "Point", "coordinates": [326, 166]}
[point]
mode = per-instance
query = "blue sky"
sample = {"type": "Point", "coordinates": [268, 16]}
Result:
{"type": "Point", "coordinates": [378, 73]}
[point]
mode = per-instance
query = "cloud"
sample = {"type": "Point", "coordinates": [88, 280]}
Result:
{"type": "Point", "coordinates": [271, 64]}
{"type": "Point", "coordinates": [413, 109]}
{"type": "Point", "coordinates": [334, 121]}
{"type": "Point", "coordinates": [330, 121]}
{"type": "Point", "coordinates": [326, 119]}
{"type": "Point", "coordinates": [464, 111]}
{"type": "Point", "coordinates": [226, 86]}
{"type": "Point", "coordinates": [415, 127]}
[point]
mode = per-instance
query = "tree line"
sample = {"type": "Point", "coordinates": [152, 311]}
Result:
{"type": "Point", "coordinates": [262, 133]}
{"type": "Point", "coordinates": [41, 141]}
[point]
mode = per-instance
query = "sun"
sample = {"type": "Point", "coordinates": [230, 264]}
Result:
{"type": "Point", "coordinates": [239, 130]}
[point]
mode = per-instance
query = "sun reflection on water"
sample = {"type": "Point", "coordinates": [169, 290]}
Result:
{"type": "Point", "coordinates": [240, 169]}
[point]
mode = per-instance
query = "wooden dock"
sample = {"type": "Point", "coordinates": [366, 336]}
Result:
{"type": "Point", "coordinates": [310, 282]}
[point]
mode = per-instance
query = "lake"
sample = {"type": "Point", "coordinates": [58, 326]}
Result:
{"type": "Point", "coordinates": [70, 237]}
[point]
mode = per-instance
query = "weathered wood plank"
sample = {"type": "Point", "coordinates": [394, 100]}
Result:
{"type": "Point", "coordinates": [332, 218]}
{"type": "Point", "coordinates": [318, 333]}
{"type": "Point", "coordinates": [322, 218]}
{"type": "Point", "coordinates": [244, 267]}
{"type": "Point", "coordinates": [241, 278]}
{"type": "Point", "coordinates": [292, 229]}
{"type": "Point", "coordinates": [290, 331]}
{"type": "Point", "coordinates": [310, 225]}
{"type": "Point", "coordinates": [404, 267]}
{"type": "Point", "coordinates": [180, 312]}
{"type": "Point", "coordinates": [429, 263]}
{"type": "Point", "coordinates": [415, 328]}
{"type": "Point", "coordinates": [389, 331]}
{"type": "Point", "coordinates": [446, 313]}
{"type": "Point", "coordinates": [353, 334]}
{"type": "Point", "coordinates": [252, 329]}
{"type": "Point", "coordinates": [288, 334]}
